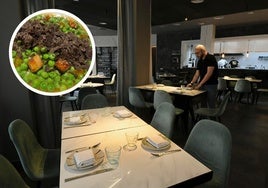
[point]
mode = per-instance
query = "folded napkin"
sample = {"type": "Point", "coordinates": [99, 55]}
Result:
{"type": "Point", "coordinates": [84, 158]}
{"type": "Point", "coordinates": [157, 141]}
{"type": "Point", "coordinates": [75, 120]}
{"type": "Point", "coordinates": [123, 113]}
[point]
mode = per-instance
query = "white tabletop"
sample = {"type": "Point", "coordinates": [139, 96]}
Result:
{"type": "Point", "coordinates": [136, 168]}
{"type": "Point", "coordinates": [104, 121]}
{"type": "Point", "coordinates": [172, 89]}
{"type": "Point", "coordinates": [91, 84]}
{"type": "Point", "coordinates": [247, 78]}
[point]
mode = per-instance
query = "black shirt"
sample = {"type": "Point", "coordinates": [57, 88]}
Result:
{"type": "Point", "coordinates": [203, 64]}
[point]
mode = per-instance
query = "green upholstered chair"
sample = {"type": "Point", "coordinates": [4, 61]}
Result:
{"type": "Point", "coordinates": [38, 163]}
{"type": "Point", "coordinates": [221, 87]}
{"type": "Point", "coordinates": [161, 96]}
{"type": "Point", "coordinates": [84, 91]}
{"type": "Point", "coordinates": [92, 101]}
{"type": "Point", "coordinates": [136, 98]}
{"type": "Point", "coordinates": [210, 142]}
{"type": "Point", "coordinates": [9, 177]}
{"type": "Point", "coordinates": [213, 112]}
{"type": "Point", "coordinates": [242, 87]}
{"type": "Point", "coordinates": [163, 119]}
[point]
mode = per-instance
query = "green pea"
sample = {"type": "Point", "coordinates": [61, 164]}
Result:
{"type": "Point", "coordinates": [36, 83]}
{"type": "Point", "coordinates": [52, 56]}
{"type": "Point", "coordinates": [25, 60]}
{"type": "Point", "coordinates": [51, 63]}
{"type": "Point", "coordinates": [24, 66]}
{"type": "Point", "coordinates": [52, 74]}
{"type": "Point", "coordinates": [45, 56]}
{"type": "Point", "coordinates": [43, 49]}
{"type": "Point", "coordinates": [28, 52]}
{"type": "Point", "coordinates": [69, 83]}
{"type": "Point", "coordinates": [36, 49]}
{"type": "Point", "coordinates": [18, 69]}
{"type": "Point", "coordinates": [44, 74]}
{"type": "Point", "coordinates": [50, 87]}
{"type": "Point", "coordinates": [49, 80]}
{"type": "Point", "coordinates": [24, 55]}
{"type": "Point", "coordinates": [57, 78]}
{"type": "Point", "coordinates": [43, 85]}
{"type": "Point", "coordinates": [23, 73]}
{"type": "Point", "coordinates": [14, 53]}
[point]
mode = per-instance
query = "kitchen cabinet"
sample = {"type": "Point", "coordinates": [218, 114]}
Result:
{"type": "Point", "coordinates": [258, 45]}
{"type": "Point", "coordinates": [231, 46]}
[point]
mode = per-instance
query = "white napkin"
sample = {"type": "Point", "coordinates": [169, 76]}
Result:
{"type": "Point", "coordinates": [84, 158]}
{"type": "Point", "coordinates": [123, 113]}
{"type": "Point", "coordinates": [157, 141]}
{"type": "Point", "coordinates": [75, 119]}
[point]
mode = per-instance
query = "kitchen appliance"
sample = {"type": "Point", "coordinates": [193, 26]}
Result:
{"type": "Point", "coordinates": [233, 63]}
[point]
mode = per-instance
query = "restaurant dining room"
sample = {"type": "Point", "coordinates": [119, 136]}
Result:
{"type": "Point", "coordinates": [134, 94]}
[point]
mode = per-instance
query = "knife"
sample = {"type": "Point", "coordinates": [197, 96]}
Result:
{"type": "Point", "coordinates": [85, 147]}
{"type": "Point", "coordinates": [89, 174]}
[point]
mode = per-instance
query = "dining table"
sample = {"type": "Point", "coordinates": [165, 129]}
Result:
{"type": "Point", "coordinates": [184, 98]}
{"type": "Point", "coordinates": [137, 168]}
{"type": "Point", "coordinates": [96, 85]}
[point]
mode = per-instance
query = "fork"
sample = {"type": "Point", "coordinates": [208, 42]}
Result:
{"type": "Point", "coordinates": [94, 146]}
{"type": "Point", "coordinates": [165, 153]}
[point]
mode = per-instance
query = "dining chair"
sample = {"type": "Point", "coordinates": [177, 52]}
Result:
{"type": "Point", "coordinates": [210, 142]}
{"type": "Point", "coordinates": [67, 98]}
{"type": "Point", "coordinates": [221, 87]}
{"type": "Point", "coordinates": [38, 163]}
{"type": "Point", "coordinates": [111, 83]}
{"type": "Point", "coordinates": [84, 92]}
{"type": "Point", "coordinates": [141, 107]}
{"type": "Point", "coordinates": [163, 119]}
{"type": "Point", "coordinates": [9, 176]}
{"type": "Point", "coordinates": [92, 101]}
{"type": "Point", "coordinates": [161, 96]}
{"type": "Point", "coordinates": [259, 92]}
{"type": "Point", "coordinates": [242, 87]}
{"type": "Point", "coordinates": [213, 112]}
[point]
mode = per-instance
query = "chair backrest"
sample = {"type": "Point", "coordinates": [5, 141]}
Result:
{"type": "Point", "coordinates": [161, 96]}
{"type": "Point", "coordinates": [9, 177]}
{"type": "Point", "coordinates": [92, 101]}
{"type": "Point", "coordinates": [210, 142]}
{"type": "Point", "coordinates": [223, 104]}
{"type": "Point", "coordinates": [136, 98]}
{"type": "Point", "coordinates": [243, 86]}
{"type": "Point", "coordinates": [163, 119]}
{"type": "Point", "coordinates": [30, 152]}
{"type": "Point", "coordinates": [222, 84]}
{"type": "Point", "coordinates": [113, 79]}
{"type": "Point", "coordinates": [84, 92]}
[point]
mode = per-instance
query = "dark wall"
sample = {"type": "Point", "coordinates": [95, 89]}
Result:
{"type": "Point", "coordinates": [170, 43]}
{"type": "Point", "coordinates": [15, 101]}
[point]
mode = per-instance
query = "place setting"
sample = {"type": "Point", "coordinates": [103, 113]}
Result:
{"type": "Point", "coordinates": [78, 120]}
{"type": "Point", "coordinates": [92, 160]}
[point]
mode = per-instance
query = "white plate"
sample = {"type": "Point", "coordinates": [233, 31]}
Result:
{"type": "Point", "coordinates": [99, 157]}
{"type": "Point", "coordinates": [75, 120]}
{"type": "Point", "coordinates": [160, 85]}
{"type": "Point", "coordinates": [147, 146]}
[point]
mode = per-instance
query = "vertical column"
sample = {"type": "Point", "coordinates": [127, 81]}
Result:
{"type": "Point", "coordinates": [207, 37]}
{"type": "Point", "coordinates": [134, 46]}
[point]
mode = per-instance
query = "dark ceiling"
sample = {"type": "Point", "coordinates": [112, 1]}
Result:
{"type": "Point", "coordinates": [93, 12]}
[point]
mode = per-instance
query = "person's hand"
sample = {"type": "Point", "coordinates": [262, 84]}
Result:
{"type": "Point", "coordinates": [197, 87]}
{"type": "Point", "coordinates": [189, 85]}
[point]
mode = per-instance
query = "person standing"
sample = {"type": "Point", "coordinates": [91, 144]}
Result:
{"type": "Point", "coordinates": [207, 74]}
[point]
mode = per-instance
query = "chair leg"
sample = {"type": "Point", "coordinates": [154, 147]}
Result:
{"type": "Point", "coordinates": [257, 98]}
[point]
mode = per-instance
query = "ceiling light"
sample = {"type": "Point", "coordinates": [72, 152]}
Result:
{"type": "Point", "coordinates": [76, 0]}
{"type": "Point", "coordinates": [218, 17]}
{"type": "Point", "coordinates": [197, 1]}
{"type": "Point", "coordinates": [102, 23]}
{"type": "Point", "coordinates": [186, 19]}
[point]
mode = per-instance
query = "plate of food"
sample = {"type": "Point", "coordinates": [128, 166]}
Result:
{"type": "Point", "coordinates": [52, 52]}
{"type": "Point", "coordinates": [75, 120]}
{"type": "Point", "coordinates": [93, 161]}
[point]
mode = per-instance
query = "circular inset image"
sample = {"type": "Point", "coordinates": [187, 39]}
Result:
{"type": "Point", "coordinates": [52, 52]}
